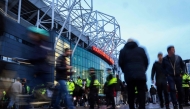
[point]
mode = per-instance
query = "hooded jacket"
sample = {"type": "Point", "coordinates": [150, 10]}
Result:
{"type": "Point", "coordinates": [133, 62]}
{"type": "Point", "coordinates": [168, 66]}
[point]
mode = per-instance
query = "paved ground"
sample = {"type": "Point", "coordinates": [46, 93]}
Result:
{"type": "Point", "coordinates": [149, 106]}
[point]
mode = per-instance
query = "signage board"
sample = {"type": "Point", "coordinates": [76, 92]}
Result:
{"type": "Point", "coordinates": [103, 55]}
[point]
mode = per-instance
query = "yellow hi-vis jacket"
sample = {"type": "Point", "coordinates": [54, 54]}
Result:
{"type": "Point", "coordinates": [79, 82]}
{"type": "Point", "coordinates": [185, 80]}
{"type": "Point", "coordinates": [96, 82]}
{"type": "Point", "coordinates": [112, 81]}
{"type": "Point", "coordinates": [70, 87]}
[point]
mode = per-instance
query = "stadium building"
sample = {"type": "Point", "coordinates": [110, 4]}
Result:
{"type": "Point", "coordinates": [94, 36]}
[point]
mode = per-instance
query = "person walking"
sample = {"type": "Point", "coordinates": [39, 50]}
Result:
{"type": "Point", "coordinates": [39, 57]}
{"type": "Point", "coordinates": [153, 94]}
{"type": "Point", "coordinates": [16, 89]}
{"type": "Point", "coordinates": [161, 81]}
{"type": "Point", "coordinates": [134, 63]}
{"type": "Point", "coordinates": [70, 86]}
{"type": "Point", "coordinates": [112, 81]}
{"type": "Point", "coordinates": [173, 67]}
{"type": "Point", "coordinates": [62, 71]}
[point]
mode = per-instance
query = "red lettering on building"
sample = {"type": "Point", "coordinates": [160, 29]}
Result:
{"type": "Point", "coordinates": [103, 55]}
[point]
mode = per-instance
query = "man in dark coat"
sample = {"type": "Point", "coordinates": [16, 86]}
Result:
{"type": "Point", "coordinates": [173, 67]}
{"type": "Point", "coordinates": [161, 82]}
{"type": "Point", "coordinates": [62, 71]}
{"type": "Point", "coordinates": [134, 63]}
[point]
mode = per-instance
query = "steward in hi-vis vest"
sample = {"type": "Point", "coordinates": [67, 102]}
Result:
{"type": "Point", "coordinates": [70, 86]}
{"type": "Point", "coordinates": [111, 82]}
{"type": "Point", "coordinates": [93, 84]}
{"type": "Point", "coordinates": [185, 85]}
{"type": "Point", "coordinates": [79, 81]}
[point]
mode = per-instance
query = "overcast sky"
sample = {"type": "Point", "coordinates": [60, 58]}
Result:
{"type": "Point", "coordinates": [154, 23]}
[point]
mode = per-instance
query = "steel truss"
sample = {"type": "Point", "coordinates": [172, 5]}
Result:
{"type": "Point", "coordinates": [77, 16]}
{"type": "Point", "coordinates": [101, 30]}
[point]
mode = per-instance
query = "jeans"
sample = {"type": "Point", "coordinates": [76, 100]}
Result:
{"type": "Point", "coordinates": [118, 97]}
{"type": "Point", "coordinates": [63, 94]}
{"type": "Point", "coordinates": [14, 99]}
{"type": "Point", "coordinates": [140, 84]}
{"type": "Point", "coordinates": [154, 98]}
{"type": "Point", "coordinates": [175, 82]}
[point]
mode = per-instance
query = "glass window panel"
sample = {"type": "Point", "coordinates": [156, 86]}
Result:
{"type": "Point", "coordinates": [80, 61]}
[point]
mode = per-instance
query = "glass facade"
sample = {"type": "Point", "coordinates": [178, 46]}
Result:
{"type": "Point", "coordinates": [82, 60]}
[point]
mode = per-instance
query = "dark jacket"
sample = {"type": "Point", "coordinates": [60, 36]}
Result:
{"type": "Point", "coordinates": [152, 91]}
{"type": "Point", "coordinates": [133, 62]}
{"type": "Point", "coordinates": [167, 66]}
{"type": "Point", "coordinates": [158, 70]}
{"type": "Point", "coordinates": [119, 85]}
{"type": "Point", "coordinates": [61, 70]}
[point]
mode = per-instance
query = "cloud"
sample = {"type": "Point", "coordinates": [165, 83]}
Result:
{"type": "Point", "coordinates": [154, 23]}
